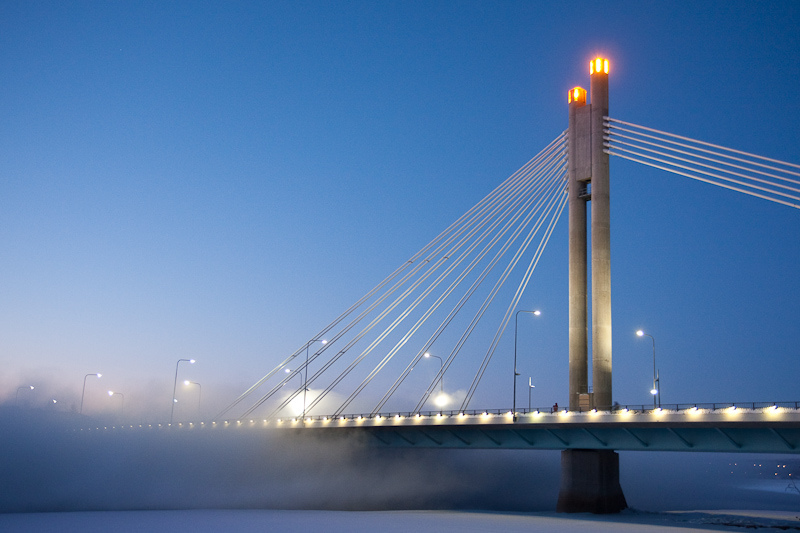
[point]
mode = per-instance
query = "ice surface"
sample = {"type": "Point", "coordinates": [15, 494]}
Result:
{"type": "Point", "coordinates": [245, 521]}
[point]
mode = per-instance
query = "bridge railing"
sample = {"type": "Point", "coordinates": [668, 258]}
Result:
{"type": "Point", "coordinates": [636, 408]}
{"type": "Point", "coordinates": [717, 406]}
{"type": "Point", "coordinates": [766, 407]}
{"type": "Point", "coordinates": [640, 408]}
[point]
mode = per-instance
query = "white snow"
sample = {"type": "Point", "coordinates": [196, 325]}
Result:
{"type": "Point", "coordinates": [245, 521]}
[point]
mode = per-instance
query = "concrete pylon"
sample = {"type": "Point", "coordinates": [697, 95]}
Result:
{"type": "Point", "coordinates": [601, 241]}
{"type": "Point", "coordinates": [588, 164]}
{"type": "Point", "coordinates": [579, 173]}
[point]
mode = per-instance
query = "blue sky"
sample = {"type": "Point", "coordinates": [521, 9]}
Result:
{"type": "Point", "coordinates": [219, 181]}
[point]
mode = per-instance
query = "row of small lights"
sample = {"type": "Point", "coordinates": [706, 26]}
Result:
{"type": "Point", "coordinates": [564, 412]}
{"type": "Point", "coordinates": [342, 419]}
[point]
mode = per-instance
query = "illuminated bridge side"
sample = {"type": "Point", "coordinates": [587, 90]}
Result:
{"type": "Point", "coordinates": [768, 428]}
{"type": "Point", "coordinates": [731, 430]}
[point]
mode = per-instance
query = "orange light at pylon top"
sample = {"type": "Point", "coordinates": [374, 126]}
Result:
{"type": "Point", "coordinates": [598, 65]}
{"type": "Point", "coordinates": [578, 94]}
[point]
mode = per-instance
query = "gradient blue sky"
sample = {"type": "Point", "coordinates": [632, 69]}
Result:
{"type": "Point", "coordinates": [220, 180]}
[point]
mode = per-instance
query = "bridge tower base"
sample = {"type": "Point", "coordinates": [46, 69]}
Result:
{"type": "Point", "coordinates": [590, 482]}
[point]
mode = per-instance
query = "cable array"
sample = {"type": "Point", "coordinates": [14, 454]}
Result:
{"type": "Point", "coordinates": [434, 300]}
{"type": "Point", "coordinates": [438, 297]}
{"type": "Point", "coordinates": [762, 177]}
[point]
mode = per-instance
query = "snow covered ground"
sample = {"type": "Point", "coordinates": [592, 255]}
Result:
{"type": "Point", "coordinates": [396, 521]}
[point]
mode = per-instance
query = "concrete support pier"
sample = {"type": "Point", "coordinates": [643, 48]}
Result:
{"type": "Point", "coordinates": [590, 482]}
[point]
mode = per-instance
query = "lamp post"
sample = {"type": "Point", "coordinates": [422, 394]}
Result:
{"type": "Point", "coordinates": [83, 393]}
{"type": "Point", "coordinates": [516, 324]}
{"type": "Point", "coordinates": [199, 392]}
{"type": "Point", "coordinates": [300, 375]}
{"type": "Point", "coordinates": [28, 387]}
{"type": "Point", "coordinates": [531, 386]}
{"type": "Point", "coordinates": [111, 394]}
{"type": "Point", "coordinates": [305, 375]}
{"type": "Point", "coordinates": [441, 365]}
{"type": "Point", "coordinates": [175, 386]}
{"type": "Point", "coordinates": [289, 371]}
{"type": "Point", "coordinates": [655, 391]}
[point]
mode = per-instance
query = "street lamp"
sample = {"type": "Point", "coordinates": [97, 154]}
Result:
{"type": "Point", "coordinates": [292, 406]}
{"type": "Point", "coordinates": [531, 386]}
{"type": "Point", "coordinates": [199, 391]}
{"type": "Point", "coordinates": [305, 375]}
{"type": "Point", "coordinates": [111, 394]}
{"type": "Point", "coordinates": [516, 324]}
{"type": "Point", "coordinates": [654, 391]}
{"type": "Point", "coordinates": [175, 386]}
{"type": "Point", "coordinates": [84, 387]}
{"type": "Point", "coordinates": [289, 371]}
{"type": "Point", "coordinates": [28, 387]}
{"type": "Point", "coordinates": [441, 365]}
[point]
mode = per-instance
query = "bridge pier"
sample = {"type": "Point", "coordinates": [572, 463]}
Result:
{"type": "Point", "coordinates": [590, 482]}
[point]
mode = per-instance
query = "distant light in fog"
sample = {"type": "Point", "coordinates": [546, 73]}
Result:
{"type": "Point", "coordinates": [441, 400]}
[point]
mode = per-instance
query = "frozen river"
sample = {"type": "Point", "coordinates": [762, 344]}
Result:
{"type": "Point", "coordinates": [394, 521]}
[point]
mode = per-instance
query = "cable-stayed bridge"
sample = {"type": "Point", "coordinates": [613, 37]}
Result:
{"type": "Point", "coordinates": [454, 300]}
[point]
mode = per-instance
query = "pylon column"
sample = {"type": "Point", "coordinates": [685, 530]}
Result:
{"type": "Point", "coordinates": [579, 172]}
{"type": "Point", "coordinates": [601, 240]}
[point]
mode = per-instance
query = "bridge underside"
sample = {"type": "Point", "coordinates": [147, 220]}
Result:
{"type": "Point", "coordinates": [756, 437]}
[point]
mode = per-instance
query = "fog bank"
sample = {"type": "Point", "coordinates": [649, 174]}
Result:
{"type": "Point", "coordinates": [49, 466]}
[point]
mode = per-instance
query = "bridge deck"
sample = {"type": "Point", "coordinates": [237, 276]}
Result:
{"type": "Point", "coordinates": [731, 430]}
{"type": "Point", "coordinates": [763, 430]}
